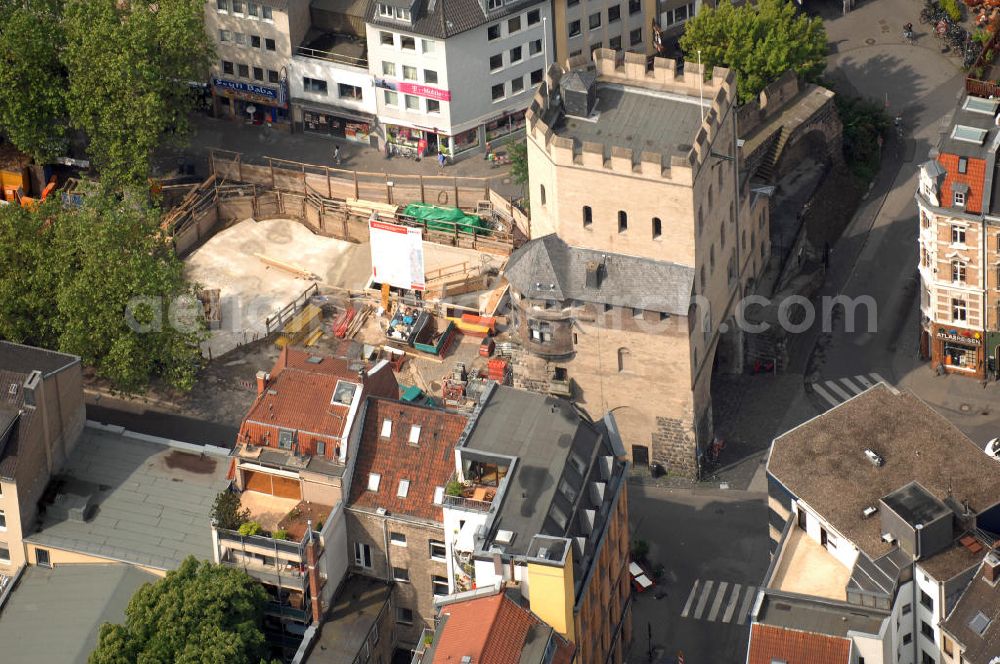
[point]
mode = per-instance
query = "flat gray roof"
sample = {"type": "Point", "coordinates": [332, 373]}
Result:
{"type": "Point", "coordinates": [637, 118]}
{"type": "Point", "coordinates": [25, 359]}
{"type": "Point", "coordinates": [355, 609]}
{"type": "Point", "coordinates": [818, 617]}
{"type": "Point", "coordinates": [54, 615]}
{"type": "Point", "coordinates": [152, 504]}
{"type": "Point", "coordinates": [822, 462]}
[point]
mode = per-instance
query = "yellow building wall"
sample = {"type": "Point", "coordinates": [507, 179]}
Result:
{"type": "Point", "coordinates": [63, 557]}
{"type": "Point", "coordinates": [552, 595]}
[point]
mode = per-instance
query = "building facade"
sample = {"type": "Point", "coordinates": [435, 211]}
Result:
{"type": "Point", "coordinates": [453, 76]}
{"type": "Point", "coordinates": [41, 417]}
{"type": "Point", "coordinates": [959, 239]}
{"type": "Point", "coordinates": [635, 296]}
{"type": "Point", "coordinates": [581, 27]}
{"type": "Point", "coordinates": [254, 42]}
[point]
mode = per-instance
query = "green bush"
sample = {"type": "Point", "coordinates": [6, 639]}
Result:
{"type": "Point", "coordinates": [864, 123]}
{"type": "Point", "coordinates": [640, 549]}
{"type": "Point", "coordinates": [454, 488]}
{"type": "Point", "coordinates": [318, 526]}
{"type": "Point", "coordinates": [952, 9]}
{"type": "Point", "coordinates": [227, 513]}
{"type": "Point", "coordinates": [280, 534]}
{"type": "Point", "coordinates": [249, 529]}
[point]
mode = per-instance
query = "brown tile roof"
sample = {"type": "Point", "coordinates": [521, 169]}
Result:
{"type": "Point", "coordinates": [979, 597]}
{"type": "Point", "coordinates": [823, 461]}
{"type": "Point", "coordinates": [299, 393]}
{"type": "Point", "coordinates": [426, 465]}
{"type": "Point", "coordinates": [768, 643]}
{"type": "Point", "coordinates": [490, 630]}
{"type": "Point", "coordinates": [974, 177]}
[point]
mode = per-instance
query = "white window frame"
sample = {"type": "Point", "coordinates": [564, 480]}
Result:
{"type": "Point", "coordinates": [2, 558]}
{"type": "Point", "coordinates": [222, 6]}
{"type": "Point", "coordinates": [3, 521]}
{"type": "Point", "coordinates": [960, 198]}
{"type": "Point", "coordinates": [397, 542]}
{"type": "Point", "coordinates": [963, 307]}
{"type": "Point", "coordinates": [360, 549]}
{"type": "Point", "coordinates": [403, 489]}
{"type": "Point", "coordinates": [435, 582]}
{"type": "Point", "coordinates": [957, 229]}
{"type": "Point", "coordinates": [443, 558]}
{"type": "Point", "coordinates": [386, 430]}
{"type": "Point", "coordinates": [414, 438]}
{"type": "Point", "coordinates": [374, 479]}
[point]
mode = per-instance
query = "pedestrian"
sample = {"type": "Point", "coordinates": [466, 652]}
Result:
{"type": "Point", "coordinates": [489, 150]}
{"type": "Point", "coordinates": [441, 159]}
{"type": "Point", "coordinates": [336, 155]}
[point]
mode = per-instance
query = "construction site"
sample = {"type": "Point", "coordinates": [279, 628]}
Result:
{"type": "Point", "coordinates": [360, 265]}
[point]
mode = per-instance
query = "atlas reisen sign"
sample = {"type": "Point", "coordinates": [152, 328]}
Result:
{"type": "Point", "coordinates": [246, 90]}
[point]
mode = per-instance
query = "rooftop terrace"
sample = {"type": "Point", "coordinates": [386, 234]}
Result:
{"type": "Point", "coordinates": [807, 568]}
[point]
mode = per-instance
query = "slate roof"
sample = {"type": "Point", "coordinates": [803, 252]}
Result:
{"type": "Point", "coordinates": [494, 630]}
{"type": "Point", "coordinates": [427, 464]}
{"type": "Point", "coordinates": [358, 605]}
{"type": "Point", "coordinates": [25, 359]}
{"type": "Point", "coordinates": [152, 503]}
{"type": "Point", "coordinates": [299, 393]}
{"type": "Point", "coordinates": [547, 268]}
{"type": "Point", "coordinates": [979, 597]}
{"type": "Point", "coordinates": [822, 462]}
{"type": "Point", "coordinates": [769, 644]}
{"type": "Point", "coordinates": [54, 615]}
{"type": "Point", "coordinates": [446, 18]}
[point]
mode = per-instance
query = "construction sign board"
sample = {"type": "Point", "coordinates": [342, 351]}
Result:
{"type": "Point", "coordinates": [397, 254]}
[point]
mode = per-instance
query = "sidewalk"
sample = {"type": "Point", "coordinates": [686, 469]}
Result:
{"type": "Point", "coordinates": [255, 142]}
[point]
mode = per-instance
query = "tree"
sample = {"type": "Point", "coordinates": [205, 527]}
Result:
{"type": "Point", "coordinates": [519, 162]}
{"type": "Point", "coordinates": [759, 42]}
{"type": "Point", "coordinates": [129, 64]}
{"type": "Point", "coordinates": [199, 613]}
{"type": "Point", "coordinates": [226, 511]}
{"type": "Point", "coordinates": [32, 78]}
{"type": "Point", "coordinates": [103, 282]}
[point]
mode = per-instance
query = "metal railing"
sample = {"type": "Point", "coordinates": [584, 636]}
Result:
{"type": "Point", "coordinates": [460, 502]}
{"type": "Point", "coordinates": [286, 546]}
{"type": "Point", "coordinates": [286, 611]}
{"type": "Point", "coordinates": [330, 56]}
{"type": "Point", "coordinates": [423, 645]}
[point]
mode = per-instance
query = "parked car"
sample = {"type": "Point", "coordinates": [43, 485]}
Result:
{"type": "Point", "coordinates": [993, 448]}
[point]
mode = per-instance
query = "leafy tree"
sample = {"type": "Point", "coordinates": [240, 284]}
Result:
{"type": "Point", "coordinates": [227, 511]}
{"type": "Point", "coordinates": [102, 282]}
{"type": "Point", "coordinates": [129, 64]}
{"type": "Point", "coordinates": [865, 122]}
{"type": "Point", "coordinates": [759, 42]}
{"type": "Point", "coordinates": [200, 613]}
{"type": "Point", "coordinates": [32, 79]}
{"type": "Point", "coordinates": [519, 162]}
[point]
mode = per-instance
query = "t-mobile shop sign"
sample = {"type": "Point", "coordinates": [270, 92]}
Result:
{"type": "Point", "coordinates": [424, 91]}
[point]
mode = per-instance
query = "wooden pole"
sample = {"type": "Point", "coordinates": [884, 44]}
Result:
{"type": "Point", "coordinates": [239, 166]}
{"type": "Point", "coordinates": [388, 190]}
{"type": "Point", "coordinates": [270, 162]}
{"type": "Point", "coordinates": [422, 199]}
{"type": "Point", "coordinates": [304, 189]}
{"type": "Point", "coordinates": [356, 190]}
{"type": "Point", "coordinates": [329, 187]}
{"type": "Point", "coordinates": [456, 193]}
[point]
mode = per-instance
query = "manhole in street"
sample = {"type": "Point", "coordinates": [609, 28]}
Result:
{"type": "Point", "coordinates": [507, 180]}
{"type": "Point", "coordinates": [870, 41]}
{"type": "Point", "coordinates": [965, 408]}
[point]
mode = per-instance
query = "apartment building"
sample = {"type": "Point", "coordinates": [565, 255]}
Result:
{"type": "Point", "coordinates": [641, 249]}
{"type": "Point", "coordinates": [959, 206]}
{"type": "Point", "coordinates": [489, 625]}
{"type": "Point", "coordinates": [359, 626]}
{"type": "Point", "coordinates": [583, 27]}
{"type": "Point", "coordinates": [395, 523]}
{"type": "Point", "coordinates": [41, 417]}
{"type": "Point", "coordinates": [253, 44]}
{"type": "Point", "coordinates": [456, 74]}
{"type": "Point", "coordinates": [291, 467]}
{"type": "Point", "coordinates": [881, 513]}
{"type": "Point", "coordinates": [539, 502]}
{"type": "Point", "coordinates": [971, 632]}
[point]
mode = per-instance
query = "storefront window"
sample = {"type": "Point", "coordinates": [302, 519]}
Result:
{"type": "Point", "coordinates": [465, 141]}
{"type": "Point", "coordinates": [957, 355]}
{"type": "Point", "coordinates": [505, 126]}
{"type": "Point", "coordinates": [403, 135]}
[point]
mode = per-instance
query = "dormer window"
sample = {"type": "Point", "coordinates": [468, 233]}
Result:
{"type": "Point", "coordinates": [959, 199]}
{"type": "Point", "coordinates": [494, 4]}
{"type": "Point", "coordinates": [396, 13]}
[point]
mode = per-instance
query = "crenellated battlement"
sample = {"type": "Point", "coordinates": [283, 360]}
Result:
{"type": "Point", "coordinates": [659, 79]}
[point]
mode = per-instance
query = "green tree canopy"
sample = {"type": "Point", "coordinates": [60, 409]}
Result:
{"type": "Point", "coordinates": [759, 42]}
{"type": "Point", "coordinates": [200, 613]}
{"type": "Point", "coordinates": [103, 282]}
{"type": "Point", "coordinates": [129, 65]}
{"type": "Point", "coordinates": [32, 78]}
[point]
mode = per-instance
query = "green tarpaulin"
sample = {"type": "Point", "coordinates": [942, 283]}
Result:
{"type": "Point", "coordinates": [446, 218]}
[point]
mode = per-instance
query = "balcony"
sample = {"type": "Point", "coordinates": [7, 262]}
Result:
{"type": "Point", "coordinates": [424, 646]}
{"type": "Point", "coordinates": [285, 611]}
{"type": "Point", "coordinates": [341, 49]}
{"type": "Point", "coordinates": [273, 571]}
{"type": "Point", "coordinates": [469, 495]}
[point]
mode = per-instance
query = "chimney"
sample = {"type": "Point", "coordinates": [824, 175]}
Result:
{"type": "Point", "coordinates": [991, 567]}
{"type": "Point", "coordinates": [317, 614]}
{"type": "Point", "coordinates": [262, 378]}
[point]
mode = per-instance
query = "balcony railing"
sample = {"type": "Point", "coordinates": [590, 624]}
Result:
{"type": "Point", "coordinates": [459, 502]}
{"type": "Point", "coordinates": [330, 56]}
{"type": "Point", "coordinates": [286, 546]}
{"type": "Point", "coordinates": [423, 645]}
{"type": "Point", "coordinates": [285, 611]}
{"type": "Point", "coordinates": [284, 576]}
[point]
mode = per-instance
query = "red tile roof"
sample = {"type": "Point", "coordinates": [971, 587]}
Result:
{"type": "Point", "coordinates": [974, 177]}
{"type": "Point", "coordinates": [768, 643]}
{"type": "Point", "coordinates": [426, 465]}
{"type": "Point", "coordinates": [490, 630]}
{"type": "Point", "coordinates": [299, 392]}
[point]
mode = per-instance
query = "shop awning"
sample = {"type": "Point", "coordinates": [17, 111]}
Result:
{"type": "Point", "coordinates": [340, 111]}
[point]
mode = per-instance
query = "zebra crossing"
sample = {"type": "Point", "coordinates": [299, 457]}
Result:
{"type": "Point", "coordinates": [719, 601]}
{"type": "Point", "coordinates": [839, 390]}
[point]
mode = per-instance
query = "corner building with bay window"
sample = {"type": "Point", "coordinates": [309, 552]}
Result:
{"type": "Point", "coordinates": [959, 239]}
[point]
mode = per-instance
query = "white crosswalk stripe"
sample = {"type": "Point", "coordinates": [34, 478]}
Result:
{"type": "Point", "coordinates": [721, 599]}
{"type": "Point", "coordinates": [837, 391]}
